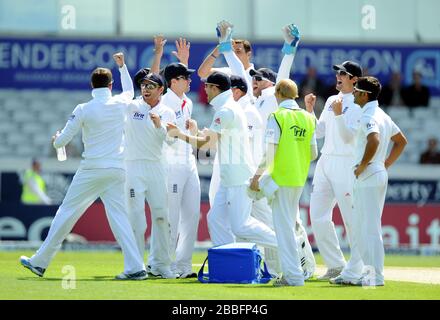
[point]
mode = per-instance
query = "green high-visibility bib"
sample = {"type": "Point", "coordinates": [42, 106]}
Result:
{"type": "Point", "coordinates": [292, 158]}
{"type": "Point", "coordinates": [27, 195]}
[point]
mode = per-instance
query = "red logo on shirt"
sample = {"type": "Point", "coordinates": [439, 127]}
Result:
{"type": "Point", "coordinates": [217, 121]}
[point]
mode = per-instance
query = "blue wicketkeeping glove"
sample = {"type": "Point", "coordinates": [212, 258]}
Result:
{"type": "Point", "coordinates": [291, 38]}
{"type": "Point", "coordinates": [224, 34]}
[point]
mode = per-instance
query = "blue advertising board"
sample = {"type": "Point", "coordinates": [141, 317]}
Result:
{"type": "Point", "coordinates": [67, 63]}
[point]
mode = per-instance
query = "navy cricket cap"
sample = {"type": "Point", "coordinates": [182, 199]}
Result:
{"type": "Point", "coordinates": [139, 76]}
{"type": "Point", "coordinates": [174, 70]}
{"type": "Point", "coordinates": [154, 78]}
{"type": "Point", "coordinates": [265, 74]}
{"type": "Point", "coordinates": [239, 83]}
{"type": "Point", "coordinates": [220, 79]}
{"type": "Point", "coordinates": [350, 67]}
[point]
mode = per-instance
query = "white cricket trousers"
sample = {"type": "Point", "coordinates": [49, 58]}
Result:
{"type": "Point", "coordinates": [369, 200]}
{"type": "Point", "coordinates": [231, 211]}
{"type": "Point", "coordinates": [333, 183]}
{"type": "Point", "coordinates": [285, 210]}
{"type": "Point", "coordinates": [184, 212]}
{"type": "Point", "coordinates": [147, 180]}
{"type": "Point", "coordinates": [260, 211]}
{"type": "Point", "coordinates": [87, 185]}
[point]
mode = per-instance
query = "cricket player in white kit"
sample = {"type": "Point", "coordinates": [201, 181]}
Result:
{"type": "Point", "coordinates": [375, 132]}
{"type": "Point", "coordinates": [291, 147]}
{"type": "Point", "coordinates": [232, 206]}
{"type": "Point", "coordinates": [101, 173]}
{"type": "Point", "coordinates": [183, 178]}
{"type": "Point", "coordinates": [333, 181]}
{"type": "Point", "coordinates": [147, 171]}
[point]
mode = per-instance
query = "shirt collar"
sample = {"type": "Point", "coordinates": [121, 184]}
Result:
{"type": "Point", "coordinates": [244, 101]}
{"type": "Point", "coordinates": [101, 93]}
{"type": "Point", "coordinates": [289, 104]}
{"type": "Point", "coordinates": [370, 106]}
{"type": "Point", "coordinates": [175, 100]}
{"type": "Point", "coordinates": [268, 91]}
{"type": "Point", "coordinates": [220, 100]}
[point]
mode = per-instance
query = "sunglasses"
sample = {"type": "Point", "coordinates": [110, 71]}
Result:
{"type": "Point", "coordinates": [260, 78]}
{"type": "Point", "coordinates": [343, 73]}
{"type": "Point", "coordinates": [149, 86]}
{"type": "Point", "coordinates": [361, 90]}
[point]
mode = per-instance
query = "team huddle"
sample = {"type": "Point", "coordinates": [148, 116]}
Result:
{"type": "Point", "coordinates": [139, 149]}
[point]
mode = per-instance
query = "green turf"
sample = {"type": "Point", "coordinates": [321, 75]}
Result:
{"type": "Point", "coordinates": [95, 272]}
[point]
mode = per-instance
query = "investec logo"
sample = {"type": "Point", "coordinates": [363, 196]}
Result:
{"type": "Point", "coordinates": [298, 132]}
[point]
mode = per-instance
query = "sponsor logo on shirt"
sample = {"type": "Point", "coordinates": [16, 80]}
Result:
{"type": "Point", "coordinates": [72, 116]}
{"type": "Point", "coordinates": [298, 131]}
{"type": "Point", "coordinates": [138, 116]}
{"type": "Point", "coordinates": [370, 125]}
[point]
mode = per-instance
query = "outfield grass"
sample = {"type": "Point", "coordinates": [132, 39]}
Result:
{"type": "Point", "coordinates": [95, 272]}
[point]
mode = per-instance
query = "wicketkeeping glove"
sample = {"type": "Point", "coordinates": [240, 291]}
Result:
{"type": "Point", "coordinates": [291, 39]}
{"type": "Point", "coordinates": [224, 34]}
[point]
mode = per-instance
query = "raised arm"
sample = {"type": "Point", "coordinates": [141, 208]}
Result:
{"type": "Point", "coordinates": [159, 43]}
{"type": "Point", "coordinates": [224, 32]}
{"type": "Point", "coordinates": [182, 51]}
{"type": "Point", "coordinates": [127, 84]}
{"type": "Point", "coordinates": [291, 41]}
{"type": "Point", "coordinates": [206, 68]}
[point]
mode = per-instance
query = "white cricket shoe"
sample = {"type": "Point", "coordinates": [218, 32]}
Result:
{"type": "Point", "coordinates": [140, 275]}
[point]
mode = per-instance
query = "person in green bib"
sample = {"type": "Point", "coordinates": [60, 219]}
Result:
{"type": "Point", "coordinates": [291, 146]}
{"type": "Point", "coordinates": [34, 187]}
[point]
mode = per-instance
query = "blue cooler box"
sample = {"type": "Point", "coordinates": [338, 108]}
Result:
{"type": "Point", "coordinates": [238, 262]}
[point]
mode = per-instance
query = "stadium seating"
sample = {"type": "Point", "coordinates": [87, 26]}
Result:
{"type": "Point", "coordinates": [29, 118]}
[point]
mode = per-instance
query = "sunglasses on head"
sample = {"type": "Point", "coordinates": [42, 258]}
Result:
{"type": "Point", "coordinates": [149, 86]}
{"type": "Point", "coordinates": [211, 84]}
{"type": "Point", "coordinates": [343, 73]}
{"type": "Point", "coordinates": [361, 90]}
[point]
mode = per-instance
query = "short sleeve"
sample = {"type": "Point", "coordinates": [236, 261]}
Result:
{"type": "Point", "coordinates": [273, 132]}
{"type": "Point", "coordinates": [222, 120]}
{"type": "Point", "coordinates": [394, 128]}
{"type": "Point", "coordinates": [369, 125]}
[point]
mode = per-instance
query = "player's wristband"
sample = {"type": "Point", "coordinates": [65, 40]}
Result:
{"type": "Point", "coordinates": [225, 46]}
{"type": "Point", "coordinates": [288, 49]}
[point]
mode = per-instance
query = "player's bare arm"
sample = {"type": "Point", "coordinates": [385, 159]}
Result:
{"type": "Point", "coordinates": [159, 43]}
{"type": "Point", "coordinates": [196, 141]}
{"type": "Point", "coordinates": [399, 143]}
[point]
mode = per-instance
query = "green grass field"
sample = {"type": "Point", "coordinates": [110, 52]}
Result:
{"type": "Point", "coordinates": [95, 272]}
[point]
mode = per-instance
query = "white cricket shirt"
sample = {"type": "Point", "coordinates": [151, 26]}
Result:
{"type": "Point", "coordinates": [102, 122]}
{"type": "Point", "coordinates": [327, 126]}
{"type": "Point", "coordinates": [179, 151]}
{"type": "Point", "coordinates": [233, 146]}
{"type": "Point", "coordinates": [143, 140]}
{"type": "Point", "coordinates": [374, 119]}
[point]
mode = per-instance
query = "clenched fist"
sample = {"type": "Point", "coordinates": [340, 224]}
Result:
{"type": "Point", "coordinates": [119, 59]}
{"type": "Point", "coordinates": [309, 101]}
